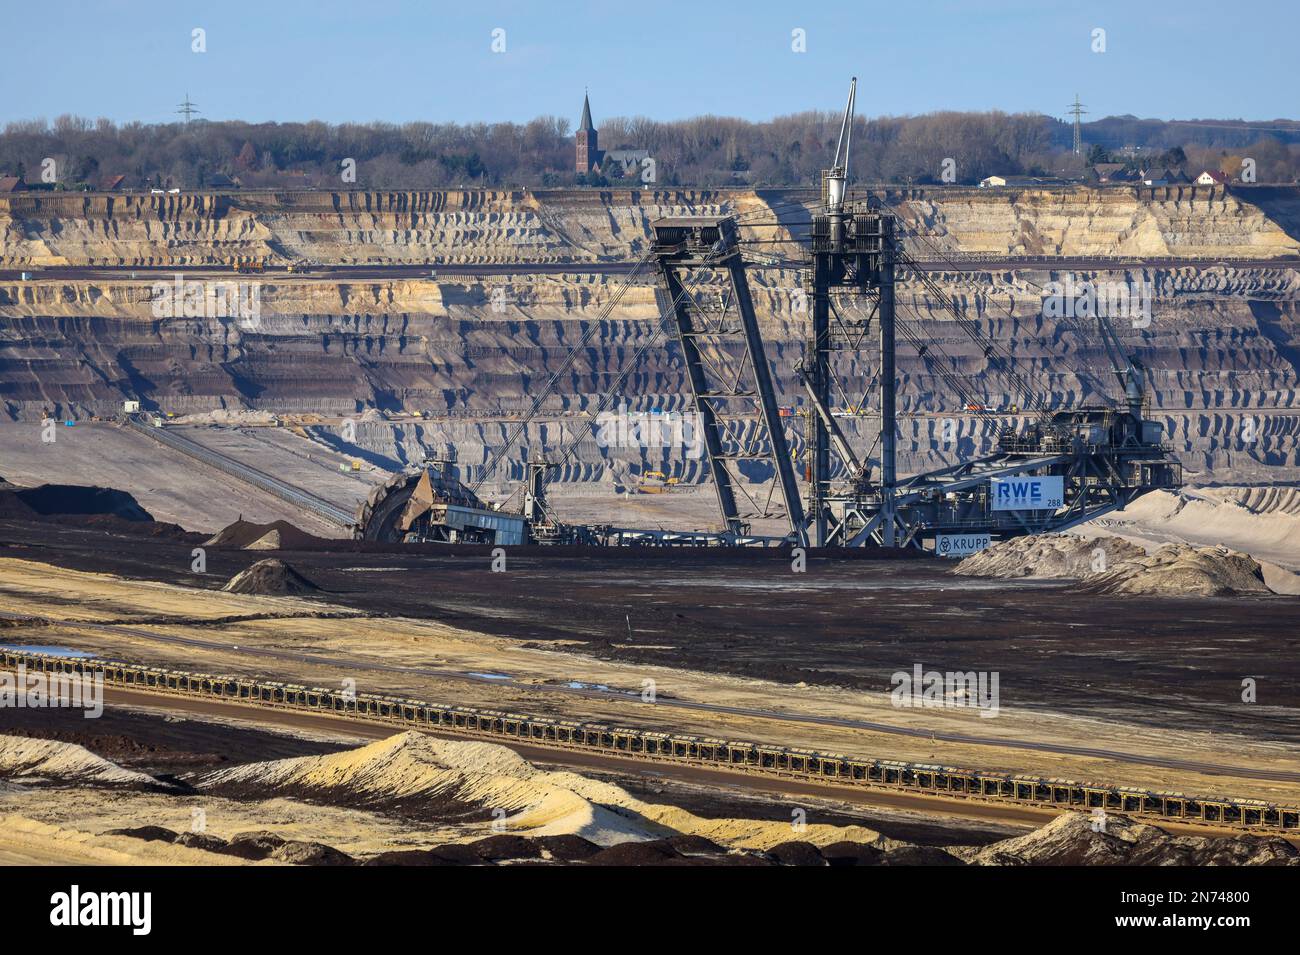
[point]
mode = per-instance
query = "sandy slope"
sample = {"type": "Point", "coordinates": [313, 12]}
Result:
{"type": "Point", "coordinates": [407, 791]}
{"type": "Point", "coordinates": [496, 780]}
{"type": "Point", "coordinates": [1116, 566]}
{"type": "Point", "coordinates": [24, 758]}
{"type": "Point", "coordinates": [1261, 521]}
{"type": "Point", "coordinates": [25, 841]}
{"type": "Point", "coordinates": [58, 824]}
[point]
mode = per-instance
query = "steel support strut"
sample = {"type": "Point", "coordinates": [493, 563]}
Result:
{"type": "Point", "coordinates": [888, 395]}
{"type": "Point", "coordinates": [727, 369]}
{"type": "Point", "coordinates": [819, 381]}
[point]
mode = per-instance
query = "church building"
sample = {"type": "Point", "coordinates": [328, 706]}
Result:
{"type": "Point", "coordinates": [626, 163]}
{"type": "Point", "coordinates": [588, 152]}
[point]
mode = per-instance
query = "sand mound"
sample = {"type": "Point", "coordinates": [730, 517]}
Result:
{"type": "Point", "coordinates": [419, 775]}
{"type": "Point", "coordinates": [1280, 580]}
{"type": "Point", "coordinates": [431, 777]}
{"type": "Point", "coordinates": [408, 764]}
{"type": "Point", "coordinates": [1112, 565]}
{"type": "Point", "coordinates": [1085, 839]}
{"type": "Point", "coordinates": [270, 577]}
{"type": "Point", "coordinates": [1261, 521]}
{"type": "Point", "coordinates": [1181, 569]}
{"type": "Point", "coordinates": [271, 541]}
{"type": "Point", "coordinates": [1049, 555]}
{"type": "Point", "coordinates": [279, 535]}
{"type": "Point", "coordinates": [23, 758]}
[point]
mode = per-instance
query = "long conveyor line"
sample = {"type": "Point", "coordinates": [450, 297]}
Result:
{"type": "Point", "coordinates": [245, 472]}
{"type": "Point", "coordinates": [630, 742]}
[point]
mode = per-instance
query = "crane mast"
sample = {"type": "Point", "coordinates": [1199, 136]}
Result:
{"type": "Point", "coordinates": [851, 250]}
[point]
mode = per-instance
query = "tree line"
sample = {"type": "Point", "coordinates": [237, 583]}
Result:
{"type": "Point", "coordinates": [707, 151]}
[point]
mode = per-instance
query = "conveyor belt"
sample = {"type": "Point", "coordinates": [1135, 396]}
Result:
{"type": "Point", "coordinates": [656, 746]}
{"type": "Point", "coordinates": [244, 472]}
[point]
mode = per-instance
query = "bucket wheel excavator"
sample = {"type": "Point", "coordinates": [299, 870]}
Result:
{"type": "Point", "coordinates": [1051, 468]}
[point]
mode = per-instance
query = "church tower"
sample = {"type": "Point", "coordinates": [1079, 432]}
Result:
{"type": "Point", "coordinates": [588, 154]}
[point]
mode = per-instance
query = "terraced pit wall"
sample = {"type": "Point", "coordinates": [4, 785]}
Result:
{"type": "Point", "coordinates": [473, 226]}
{"type": "Point", "coordinates": [1222, 346]}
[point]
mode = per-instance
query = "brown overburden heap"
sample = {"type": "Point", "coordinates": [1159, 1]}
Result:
{"type": "Point", "coordinates": [270, 577]}
{"type": "Point", "coordinates": [278, 535]}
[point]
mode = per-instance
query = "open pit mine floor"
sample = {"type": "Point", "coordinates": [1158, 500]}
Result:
{"type": "Point", "coordinates": [727, 643]}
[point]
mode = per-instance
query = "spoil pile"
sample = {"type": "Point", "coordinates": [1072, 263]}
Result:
{"type": "Point", "coordinates": [49, 499]}
{"type": "Point", "coordinates": [270, 577]}
{"type": "Point", "coordinates": [419, 777]}
{"type": "Point", "coordinates": [1182, 569]}
{"type": "Point", "coordinates": [59, 500]}
{"type": "Point", "coordinates": [93, 508]}
{"type": "Point", "coordinates": [12, 507]}
{"type": "Point", "coordinates": [250, 846]}
{"type": "Point", "coordinates": [1112, 565]}
{"type": "Point", "coordinates": [1107, 839]}
{"type": "Point", "coordinates": [278, 535]}
{"type": "Point", "coordinates": [1049, 556]}
{"type": "Point", "coordinates": [425, 778]}
{"type": "Point", "coordinates": [51, 760]}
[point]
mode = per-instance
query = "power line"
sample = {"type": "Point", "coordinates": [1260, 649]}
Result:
{"type": "Point", "coordinates": [187, 109]}
{"type": "Point", "coordinates": [1077, 110]}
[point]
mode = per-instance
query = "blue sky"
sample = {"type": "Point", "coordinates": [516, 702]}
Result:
{"type": "Point", "coordinates": [401, 60]}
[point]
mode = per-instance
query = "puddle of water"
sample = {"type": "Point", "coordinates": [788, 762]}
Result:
{"type": "Point", "coordinates": [48, 650]}
{"type": "Point", "coordinates": [579, 685]}
{"type": "Point", "coordinates": [858, 585]}
{"type": "Point", "coordinates": [492, 676]}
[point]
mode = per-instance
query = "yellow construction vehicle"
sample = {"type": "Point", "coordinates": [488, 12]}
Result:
{"type": "Point", "coordinates": [656, 482]}
{"type": "Point", "coordinates": [247, 266]}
